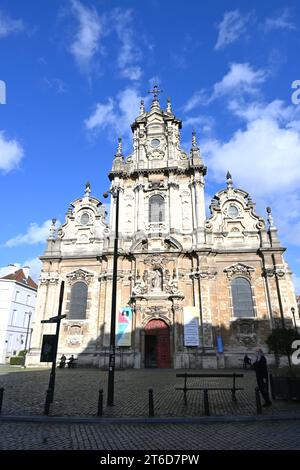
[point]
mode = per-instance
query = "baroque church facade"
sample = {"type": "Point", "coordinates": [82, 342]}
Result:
{"type": "Point", "coordinates": [192, 292]}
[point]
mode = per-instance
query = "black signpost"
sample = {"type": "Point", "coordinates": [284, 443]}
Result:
{"type": "Point", "coordinates": [49, 349]}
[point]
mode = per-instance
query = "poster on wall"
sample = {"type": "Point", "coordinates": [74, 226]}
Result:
{"type": "Point", "coordinates": [124, 327]}
{"type": "Point", "coordinates": [191, 326]}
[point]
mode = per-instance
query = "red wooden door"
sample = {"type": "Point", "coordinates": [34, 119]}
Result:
{"type": "Point", "coordinates": [160, 330]}
{"type": "Point", "coordinates": [163, 350]}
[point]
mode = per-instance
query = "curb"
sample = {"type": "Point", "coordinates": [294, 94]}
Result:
{"type": "Point", "coordinates": [146, 420]}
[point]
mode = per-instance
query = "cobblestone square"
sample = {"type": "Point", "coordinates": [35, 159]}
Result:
{"type": "Point", "coordinates": [76, 394]}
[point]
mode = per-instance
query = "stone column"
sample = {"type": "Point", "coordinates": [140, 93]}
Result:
{"type": "Point", "coordinates": [141, 213]}
{"type": "Point", "coordinates": [173, 206]}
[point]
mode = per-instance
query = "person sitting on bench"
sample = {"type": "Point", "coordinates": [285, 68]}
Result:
{"type": "Point", "coordinates": [71, 361]}
{"type": "Point", "coordinates": [247, 361]}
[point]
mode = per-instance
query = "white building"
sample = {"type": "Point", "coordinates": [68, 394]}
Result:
{"type": "Point", "coordinates": [17, 306]}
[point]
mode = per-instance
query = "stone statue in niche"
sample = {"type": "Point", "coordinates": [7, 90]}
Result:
{"type": "Point", "coordinates": [172, 286]}
{"type": "Point", "coordinates": [156, 280]}
{"type": "Point", "coordinates": [140, 286]}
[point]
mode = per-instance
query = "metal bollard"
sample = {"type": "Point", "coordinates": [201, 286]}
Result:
{"type": "Point", "coordinates": [47, 402]}
{"type": "Point", "coordinates": [100, 403]}
{"type": "Point", "coordinates": [1, 398]}
{"type": "Point", "coordinates": [206, 402]}
{"type": "Point", "coordinates": [151, 403]}
{"type": "Point", "coordinates": [258, 401]}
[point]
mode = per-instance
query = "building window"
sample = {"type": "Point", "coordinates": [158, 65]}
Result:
{"type": "Point", "coordinates": [13, 318]}
{"type": "Point", "coordinates": [17, 296]}
{"type": "Point", "coordinates": [28, 299]}
{"type": "Point", "coordinates": [242, 298]}
{"type": "Point", "coordinates": [156, 209]}
{"type": "Point", "coordinates": [78, 301]}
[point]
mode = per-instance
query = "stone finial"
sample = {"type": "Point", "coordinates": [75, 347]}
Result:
{"type": "Point", "coordinates": [119, 149]}
{"type": "Point", "coordinates": [270, 217]}
{"type": "Point", "coordinates": [194, 140]}
{"type": "Point", "coordinates": [52, 230]}
{"type": "Point", "coordinates": [195, 153]}
{"type": "Point", "coordinates": [142, 107]}
{"type": "Point", "coordinates": [155, 91]}
{"type": "Point", "coordinates": [229, 180]}
{"type": "Point", "coordinates": [169, 106]}
{"type": "Point", "coordinates": [87, 189]}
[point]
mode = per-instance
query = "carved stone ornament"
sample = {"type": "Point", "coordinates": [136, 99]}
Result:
{"type": "Point", "coordinates": [270, 272]}
{"type": "Point", "coordinates": [155, 260]}
{"type": "Point", "coordinates": [74, 340]}
{"type": "Point", "coordinates": [155, 154]}
{"type": "Point", "coordinates": [79, 275]}
{"type": "Point", "coordinates": [246, 331]}
{"type": "Point", "coordinates": [46, 279]}
{"type": "Point", "coordinates": [239, 268]}
{"type": "Point", "coordinates": [139, 287]}
{"type": "Point", "coordinates": [203, 274]}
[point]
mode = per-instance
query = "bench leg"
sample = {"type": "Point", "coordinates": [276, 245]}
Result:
{"type": "Point", "coordinates": [206, 402]}
{"type": "Point", "coordinates": [185, 397]}
{"type": "Point", "coordinates": [234, 399]}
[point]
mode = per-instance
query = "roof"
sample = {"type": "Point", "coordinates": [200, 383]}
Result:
{"type": "Point", "coordinates": [20, 277]}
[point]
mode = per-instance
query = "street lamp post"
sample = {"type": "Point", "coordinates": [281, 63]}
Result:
{"type": "Point", "coordinates": [27, 332]}
{"type": "Point", "coordinates": [295, 324]}
{"type": "Point", "coordinates": [112, 345]}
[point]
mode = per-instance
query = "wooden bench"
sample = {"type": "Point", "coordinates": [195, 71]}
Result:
{"type": "Point", "coordinates": [233, 389]}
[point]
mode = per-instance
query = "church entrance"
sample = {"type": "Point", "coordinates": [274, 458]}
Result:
{"type": "Point", "coordinates": [157, 345]}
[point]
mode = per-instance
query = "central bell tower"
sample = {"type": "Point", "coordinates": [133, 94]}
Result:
{"type": "Point", "coordinates": [163, 187]}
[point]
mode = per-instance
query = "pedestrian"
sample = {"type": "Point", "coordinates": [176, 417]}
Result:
{"type": "Point", "coordinates": [247, 361]}
{"type": "Point", "coordinates": [71, 361]}
{"type": "Point", "coordinates": [262, 378]}
{"type": "Point", "coordinates": [62, 361]}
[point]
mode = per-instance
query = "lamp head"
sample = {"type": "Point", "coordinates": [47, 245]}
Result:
{"type": "Point", "coordinates": [105, 195]}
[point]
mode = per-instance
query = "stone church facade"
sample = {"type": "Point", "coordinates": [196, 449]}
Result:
{"type": "Point", "coordinates": [199, 292]}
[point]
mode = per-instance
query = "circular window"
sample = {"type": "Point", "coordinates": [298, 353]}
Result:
{"type": "Point", "coordinates": [233, 211]}
{"type": "Point", "coordinates": [85, 218]}
{"type": "Point", "coordinates": [155, 143]}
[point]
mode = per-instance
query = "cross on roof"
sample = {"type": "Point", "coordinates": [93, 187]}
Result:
{"type": "Point", "coordinates": [155, 92]}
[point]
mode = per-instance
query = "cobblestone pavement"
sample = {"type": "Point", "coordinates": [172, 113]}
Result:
{"type": "Point", "coordinates": [244, 436]}
{"type": "Point", "coordinates": [76, 393]}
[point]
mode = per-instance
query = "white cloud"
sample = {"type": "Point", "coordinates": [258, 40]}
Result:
{"type": "Point", "coordinates": [34, 264]}
{"type": "Point", "coordinates": [129, 53]}
{"type": "Point", "coordinates": [280, 20]}
{"type": "Point", "coordinates": [233, 25]}
{"type": "Point", "coordinates": [34, 234]}
{"type": "Point", "coordinates": [239, 80]}
{"type": "Point", "coordinates": [103, 116]}
{"type": "Point", "coordinates": [55, 84]}
{"type": "Point", "coordinates": [198, 98]}
{"type": "Point", "coordinates": [87, 41]}
{"type": "Point", "coordinates": [9, 25]}
{"type": "Point", "coordinates": [296, 280]}
{"type": "Point", "coordinates": [11, 153]}
{"type": "Point", "coordinates": [205, 123]}
{"type": "Point", "coordinates": [117, 114]}
{"type": "Point", "coordinates": [264, 159]}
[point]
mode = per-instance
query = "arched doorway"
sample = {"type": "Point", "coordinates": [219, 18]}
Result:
{"type": "Point", "coordinates": [157, 345]}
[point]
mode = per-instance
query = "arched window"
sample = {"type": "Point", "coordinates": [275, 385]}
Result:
{"type": "Point", "coordinates": [78, 301]}
{"type": "Point", "coordinates": [156, 209]}
{"type": "Point", "coordinates": [242, 298]}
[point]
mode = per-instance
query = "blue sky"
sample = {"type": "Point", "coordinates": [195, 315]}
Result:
{"type": "Point", "coordinates": [75, 71]}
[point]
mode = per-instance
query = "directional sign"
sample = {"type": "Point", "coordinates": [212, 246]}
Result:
{"type": "Point", "coordinates": [48, 348]}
